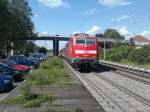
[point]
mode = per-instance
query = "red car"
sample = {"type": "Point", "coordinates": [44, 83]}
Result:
{"type": "Point", "coordinates": [19, 67]}
{"type": "Point", "coordinates": [82, 51]}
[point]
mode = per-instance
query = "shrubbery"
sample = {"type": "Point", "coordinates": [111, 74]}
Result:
{"type": "Point", "coordinates": [119, 53]}
{"type": "Point", "coordinates": [140, 56]}
{"type": "Point", "coordinates": [130, 53]}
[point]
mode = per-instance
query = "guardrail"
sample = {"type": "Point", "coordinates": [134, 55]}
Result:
{"type": "Point", "coordinates": [126, 68]}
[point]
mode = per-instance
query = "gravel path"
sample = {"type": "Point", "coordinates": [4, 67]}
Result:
{"type": "Point", "coordinates": [132, 85]}
{"type": "Point", "coordinates": [124, 101]}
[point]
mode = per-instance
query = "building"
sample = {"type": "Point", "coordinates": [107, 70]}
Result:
{"type": "Point", "coordinates": [140, 40]}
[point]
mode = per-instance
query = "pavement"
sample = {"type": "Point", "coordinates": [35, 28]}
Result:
{"type": "Point", "coordinates": [3, 95]}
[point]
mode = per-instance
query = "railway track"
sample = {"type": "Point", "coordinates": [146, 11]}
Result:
{"type": "Point", "coordinates": [130, 72]}
{"type": "Point", "coordinates": [134, 70]}
{"type": "Point", "coordinates": [111, 95]}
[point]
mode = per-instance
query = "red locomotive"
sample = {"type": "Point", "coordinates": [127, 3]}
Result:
{"type": "Point", "coordinates": [81, 51]}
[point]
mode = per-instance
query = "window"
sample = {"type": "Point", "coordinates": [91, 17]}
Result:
{"type": "Point", "coordinates": [90, 41]}
{"type": "Point", "coordinates": [80, 41]}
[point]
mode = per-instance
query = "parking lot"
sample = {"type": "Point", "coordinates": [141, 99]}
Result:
{"type": "Point", "coordinates": [14, 69]}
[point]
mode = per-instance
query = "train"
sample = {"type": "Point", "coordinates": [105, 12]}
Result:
{"type": "Point", "coordinates": [81, 51]}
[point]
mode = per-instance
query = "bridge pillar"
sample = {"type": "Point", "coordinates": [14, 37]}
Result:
{"type": "Point", "coordinates": [55, 46]}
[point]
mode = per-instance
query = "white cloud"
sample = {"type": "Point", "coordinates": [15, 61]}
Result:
{"type": "Point", "coordinates": [55, 3]}
{"type": "Point", "coordinates": [123, 17]}
{"type": "Point", "coordinates": [94, 29]}
{"type": "Point", "coordinates": [124, 31]}
{"type": "Point", "coordinates": [44, 33]}
{"type": "Point", "coordinates": [90, 12]}
{"type": "Point", "coordinates": [113, 3]}
{"type": "Point", "coordinates": [146, 33]}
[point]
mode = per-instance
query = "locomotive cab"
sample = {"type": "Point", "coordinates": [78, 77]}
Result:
{"type": "Point", "coordinates": [84, 51]}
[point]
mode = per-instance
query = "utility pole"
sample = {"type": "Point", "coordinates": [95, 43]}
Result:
{"type": "Point", "coordinates": [12, 50]}
{"type": "Point", "coordinates": [134, 25]}
{"type": "Point", "coordinates": [45, 44]}
{"type": "Point", "coordinates": [104, 48]}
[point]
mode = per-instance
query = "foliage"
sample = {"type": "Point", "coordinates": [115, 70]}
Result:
{"type": "Point", "coordinates": [51, 72]}
{"type": "Point", "coordinates": [43, 50]}
{"type": "Point", "coordinates": [28, 99]}
{"type": "Point", "coordinates": [131, 41]}
{"type": "Point", "coordinates": [140, 56]}
{"type": "Point", "coordinates": [100, 35]}
{"type": "Point", "coordinates": [114, 34]}
{"type": "Point", "coordinates": [119, 53]}
{"type": "Point", "coordinates": [15, 20]}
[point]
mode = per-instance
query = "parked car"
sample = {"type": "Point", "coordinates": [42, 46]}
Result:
{"type": "Point", "coordinates": [38, 56]}
{"type": "Point", "coordinates": [34, 59]}
{"type": "Point", "coordinates": [6, 82]}
{"type": "Point", "coordinates": [15, 65]}
{"type": "Point", "coordinates": [16, 74]}
{"type": "Point", "coordinates": [23, 60]}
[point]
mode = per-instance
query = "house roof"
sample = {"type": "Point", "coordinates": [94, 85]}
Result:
{"type": "Point", "coordinates": [140, 38]}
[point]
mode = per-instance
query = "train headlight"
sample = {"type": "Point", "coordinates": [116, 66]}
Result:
{"type": "Point", "coordinates": [93, 56]}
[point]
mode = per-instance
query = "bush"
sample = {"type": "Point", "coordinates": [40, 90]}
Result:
{"type": "Point", "coordinates": [140, 56]}
{"type": "Point", "coordinates": [118, 53]}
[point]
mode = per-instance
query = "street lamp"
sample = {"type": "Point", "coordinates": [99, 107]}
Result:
{"type": "Point", "coordinates": [12, 50]}
{"type": "Point", "coordinates": [103, 38]}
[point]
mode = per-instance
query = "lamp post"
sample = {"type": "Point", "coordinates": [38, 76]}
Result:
{"type": "Point", "coordinates": [12, 50]}
{"type": "Point", "coordinates": [104, 48]}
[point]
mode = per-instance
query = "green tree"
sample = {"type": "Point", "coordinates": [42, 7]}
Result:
{"type": "Point", "coordinates": [43, 50]}
{"type": "Point", "coordinates": [100, 35]}
{"type": "Point", "coordinates": [22, 17]}
{"type": "Point", "coordinates": [131, 41]}
{"type": "Point", "coordinates": [15, 20]}
{"type": "Point", "coordinates": [4, 19]}
{"type": "Point", "coordinates": [140, 56]}
{"type": "Point", "coordinates": [114, 34]}
{"type": "Point", "coordinates": [119, 53]}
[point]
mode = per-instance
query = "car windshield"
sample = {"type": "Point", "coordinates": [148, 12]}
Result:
{"type": "Point", "coordinates": [3, 64]}
{"type": "Point", "coordinates": [38, 55]}
{"type": "Point", "coordinates": [12, 62]}
{"type": "Point", "coordinates": [90, 41]}
{"type": "Point", "coordinates": [80, 41]}
{"type": "Point", "coordinates": [9, 62]}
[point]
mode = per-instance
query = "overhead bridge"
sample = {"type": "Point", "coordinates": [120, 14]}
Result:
{"type": "Point", "coordinates": [56, 40]}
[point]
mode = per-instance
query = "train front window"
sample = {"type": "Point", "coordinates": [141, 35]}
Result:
{"type": "Point", "coordinates": [80, 41]}
{"type": "Point", "coordinates": [90, 41]}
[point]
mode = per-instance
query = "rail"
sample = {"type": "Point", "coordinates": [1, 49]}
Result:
{"type": "Point", "coordinates": [134, 70]}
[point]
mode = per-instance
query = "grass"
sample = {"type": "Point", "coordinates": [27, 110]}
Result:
{"type": "Point", "coordinates": [126, 62]}
{"type": "Point", "coordinates": [34, 100]}
{"type": "Point", "coordinates": [28, 99]}
{"type": "Point", "coordinates": [51, 72]}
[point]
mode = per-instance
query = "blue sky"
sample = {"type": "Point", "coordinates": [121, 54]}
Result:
{"type": "Point", "coordinates": [65, 17]}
